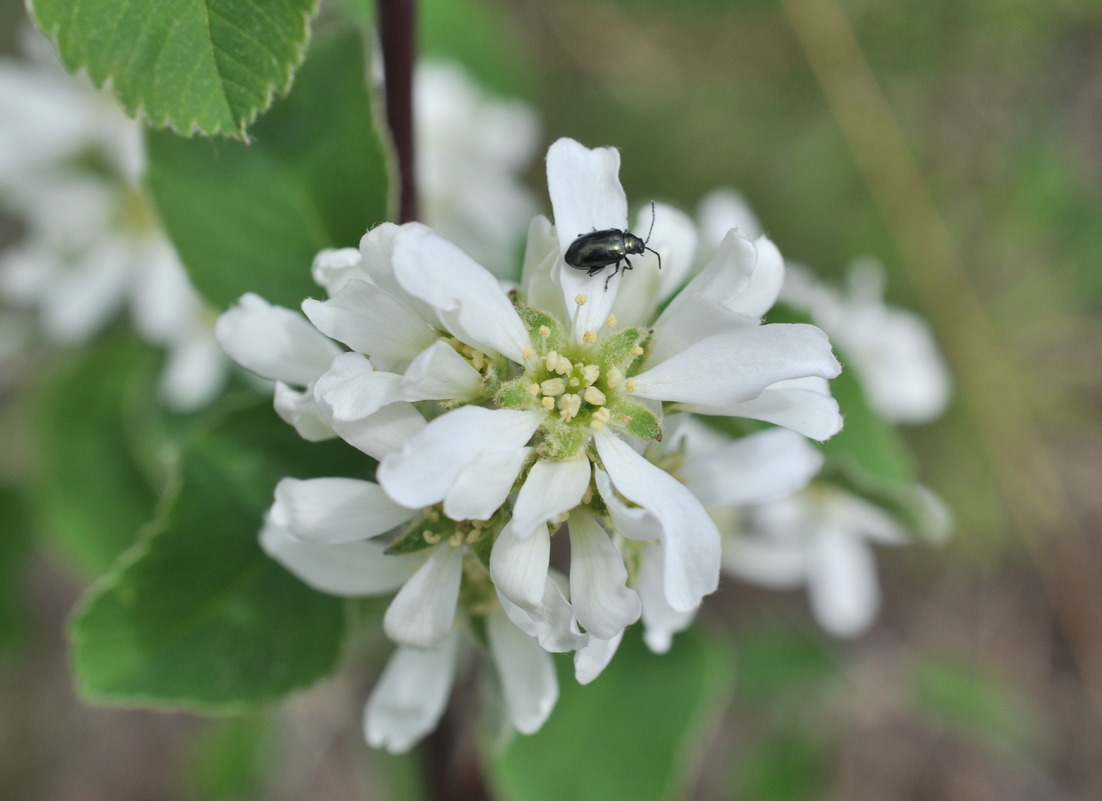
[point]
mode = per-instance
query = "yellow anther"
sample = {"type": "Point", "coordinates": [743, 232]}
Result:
{"type": "Point", "coordinates": [569, 406]}
{"type": "Point", "coordinates": [611, 321]}
{"type": "Point", "coordinates": [602, 414]}
{"type": "Point", "coordinates": [548, 403]}
{"type": "Point", "coordinates": [590, 373]}
{"type": "Point", "coordinates": [534, 390]}
{"type": "Point", "coordinates": [575, 382]}
{"type": "Point", "coordinates": [553, 386]}
{"type": "Point", "coordinates": [630, 385]}
{"type": "Point", "coordinates": [474, 536]}
{"type": "Point", "coordinates": [594, 396]}
{"type": "Point", "coordinates": [581, 300]}
{"type": "Point", "coordinates": [562, 365]}
{"type": "Point", "coordinates": [637, 350]}
{"type": "Point", "coordinates": [430, 537]}
{"type": "Point", "coordinates": [545, 332]}
{"type": "Point", "coordinates": [613, 377]}
{"type": "Point", "coordinates": [589, 337]}
{"type": "Point", "coordinates": [528, 353]}
{"type": "Point", "coordinates": [551, 360]}
{"type": "Point", "coordinates": [478, 361]}
{"type": "Point", "coordinates": [596, 425]}
{"type": "Point", "coordinates": [588, 494]}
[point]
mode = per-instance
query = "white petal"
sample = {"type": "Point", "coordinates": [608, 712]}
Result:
{"type": "Point", "coordinates": [333, 510]}
{"type": "Point", "coordinates": [696, 317]}
{"type": "Point", "coordinates": [384, 432]}
{"type": "Point", "coordinates": [423, 471]}
{"type": "Point", "coordinates": [526, 671]}
{"type": "Point", "coordinates": [519, 567]}
{"type": "Point", "coordinates": [274, 342]}
{"type": "Point", "coordinates": [585, 190]}
{"type": "Point", "coordinates": [371, 321]}
{"type": "Point", "coordinates": [484, 484]}
{"type": "Point", "coordinates": [604, 604]}
{"type": "Point", "coordinates": [586, 196]}
{"type": "Point", "coordinates": [766, 562]}
{"type": "Point", "coordinates": [194, 373]}
{"type": "Point", "coordinates": [674, 239]}
{"type": "Point", "coordinates": [468, 300]}
{"type": "Point", "coordinates": [765, 283]}
{"type": "Point", "coordinates": [423, 611]}
{"type": "Point", "coordinates": [550, 489]}
{"type": "Point", "coordinates": [410, 696]}
{"type": "Point", "coordinates": [552, 623]}
{"type": "Point", "coordinates": [690, 540]}
{"type": "Point", "coordinates": [737, 365]}
{"type": "Point", "coordinates": [722, 210]}
{"type": "Point", "coordinates": [540, 273]}
{"type": "Point", "coordinates": [299, 409]}
{"type": "Point", "coordinates": [352, 389]}
{"type": "Point", "coordinates": [808, 412]}
{"type": "Point", "coordinates": [842, 584]}
{"type": "Point", "coordinates": [855, 514]}
{"type": "Point", "coordinates": [757, 468]}
{"type": "Point", "coordinates": [334, 267]}
{"type": "Point", "coordinates": [351, 569]}
{"type": "Point", "coordinates": [591, 660]}
{"type": "Point", "coordinates": [660, 620]}
{"type": "Point", "coordinates": [440, 373]}
{"type": "Point", "coordinates": [633, 522]}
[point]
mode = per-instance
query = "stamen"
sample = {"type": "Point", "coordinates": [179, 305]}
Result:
{"type": "Point", "coordinates": [611, 321]}
{"type": "Point", "coordinates": [553, 386]}
{"type": "Point", "coordinates": [528, 353]}
{"type": "Point", "coordinates": [589, 337]}
{"type": "Point", "coordinates": [613, 377]}
{"type": "Point", "coordinates": [548, 403]}
{"type": "Point", "coordinates": [569, 404]}
{"type": "Point", "coordinates": [637, 350]}
{"type": "Point", "coordinates": [545, 332]}
{"type": "Point", "coordinates": [590, 374]}
{"type": "Point", "coordinates": [630, 385]}
{"type": "Point", "coordinates": [534, 390]}
{"type": "Point", "coordinates": [594, 396]}
{"type": "Point", "coordinates": [581, 300]}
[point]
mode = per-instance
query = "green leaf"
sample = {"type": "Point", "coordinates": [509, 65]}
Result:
{"type": "Point", "coordinates": [196, 615]}
{"type": "Point", "coordinates": [207, 66]}
{"type": "Point", "coordinates": [96, 481]}
{"type": "Point", "coordinates": [251, 219]}
{"type": "Point", "coordinates": [635, 732]}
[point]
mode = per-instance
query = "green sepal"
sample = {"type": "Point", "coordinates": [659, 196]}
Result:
{"type": "Point", "coordinates": [616, 351]}
{"type": "Point", "coordinates": [561, 441]}
{"type": "Point", "coordinates": [515, 395]}
{"type": "Point", "coordinates": [533, 319]}
{"type": "Point", "coordinates": [635, 419]}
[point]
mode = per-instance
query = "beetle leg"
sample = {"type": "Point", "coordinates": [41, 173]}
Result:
{"type": "Point", "coordinates": [615, 270]}
{"type": "Point", "coordinates": [592, 271]}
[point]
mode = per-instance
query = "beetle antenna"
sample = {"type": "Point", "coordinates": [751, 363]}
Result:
{"type": "Point", "coordinates": [651, 231]}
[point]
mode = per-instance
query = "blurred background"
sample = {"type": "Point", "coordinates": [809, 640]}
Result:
{"type": "Point", "coordinates": [959, 143]}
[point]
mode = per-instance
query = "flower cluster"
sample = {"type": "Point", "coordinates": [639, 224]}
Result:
{"type": "Point", "coordinates": [70, 169]}
{"type": "Point", "coordinates": [499, 416]}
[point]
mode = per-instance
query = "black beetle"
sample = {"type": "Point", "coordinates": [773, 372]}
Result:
{"type": "Point", "coordinates": [594, 251]}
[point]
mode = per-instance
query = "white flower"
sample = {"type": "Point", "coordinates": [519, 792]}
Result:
{"type": "Point", "coordinates": [552, 389]}
{"type": "Point", "coordinates": [892, 350]}
{"type": "Point", "coordinates": [92, 246]}
{"type": "Point", "coordinates": [472, 151]}
{"type": "Point", "coordinates": [821, 539]}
